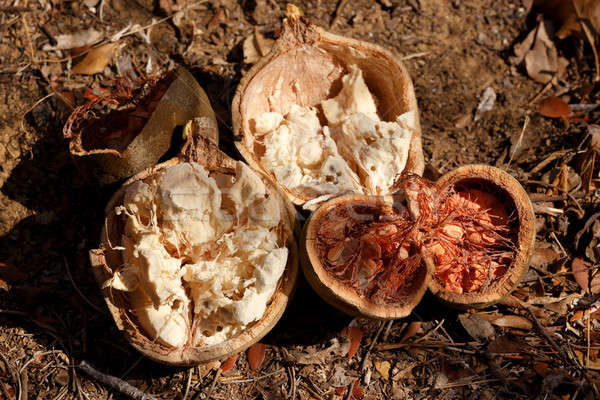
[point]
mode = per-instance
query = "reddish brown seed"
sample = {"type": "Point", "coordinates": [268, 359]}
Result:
{"type": "Point", "coordinates": [229, 363]}
{"type": "Point", "coordinates": [256, 355]}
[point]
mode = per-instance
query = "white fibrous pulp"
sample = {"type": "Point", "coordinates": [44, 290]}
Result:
{"type": "Point", "coordinates": [355, 150]}
{"type": "Point", "coordinates": [202, 253]}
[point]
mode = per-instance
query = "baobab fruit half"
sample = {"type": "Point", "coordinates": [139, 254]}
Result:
{"type": "Point", "coordinates": [323, 114]}
{"type": "Point", "coordinates": [361, 254]}
{"type": "Point", "coordinates": [483, 236]}
{"type": "Point", "coordinates": [130, 126]}
{"type": "Point", "coordinates": [467, 237]}
{"type": "Point", "coordinates": [197, 259]}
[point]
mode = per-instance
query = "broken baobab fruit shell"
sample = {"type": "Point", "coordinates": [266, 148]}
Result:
{"type": "Point", "coordinates": [498, 201]}
{"type": "Point", "coordinates": [136, 134]}
{"type": "Point", "coordinates": [349, 253]}
{"type": "Point", "coordinates": [467, 237]}
{"type": "Point", "coordinates": [197, 258]}
{"type": "Point", "coordinates": [323, 114]}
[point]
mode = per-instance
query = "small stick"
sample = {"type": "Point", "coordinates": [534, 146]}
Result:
{"type": "Point", "coordinates": [338, 12]}
{"type": "Point", "coordinates": [187, 386]}
{"type": "Point", "coordinates": [311, 391]}
{"type": "Point", "coordinates": [518, 144]}
{"type": "Point", "coordinates": [350, 389]}
{"type": "Point", "coordinates": [212, 386]}
{"type": "Point", "coordinates": [114, 382]}
{"type": "Point", "coordinates": [368, 353]}
{"type": "Point", "coordinates": [590, 38]}
{"type": "Point", "coordinates": [95, 307]}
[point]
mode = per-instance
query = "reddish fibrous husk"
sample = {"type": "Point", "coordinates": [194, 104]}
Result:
{"type": "Point", "coordinates": [120, 108]}
{"type": "Point", "coordinates": [466, 231]}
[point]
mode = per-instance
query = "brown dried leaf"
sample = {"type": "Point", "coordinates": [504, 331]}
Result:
{"type": "Point", "coordinates": [504, 345]}
{"type": "Point", "coordinates": [256, 46]}
{"type": "Point", "coordinates": [542, 61]}
{"type": "Point", "coordinates": [562, 11]}
{"type": "Point", "coordinates": [513, 321]}
{"type": "Point", "coordinates": [73, 40]}
{"type": "Point", "coordinates": [544, 256]}
{"type": "Point", "coordinates": [310, 355]}
{"type": "Point", "coordinates": [355, 334]}
{"type": "Point", "coordinates": [411, 331]}
{"type": "Point", "coordinates": [554, 107]}
{"type": "Point", "coordinates": [383, 367]}
{"type": "Point", "coordinates": [358, 392]}
{"type": "Point", "coordinates": [594, 132]}
{"type": "Point", "coordinates": [229, 363]}
{"type": "Point", "coordinates": [256, 355]}
{"type": "Point", "coordinates": [580, 269]}
{"type": "Point", "coordinates": [521, 49]}
{"type": "Point", "coordinates": [595, 284]}
{"type": "Point", "coordinates": [476, 326]}
{"type": "Point", "coordinates": [96, 60]}
{"type": "Point", "coordinates": [592, 363]}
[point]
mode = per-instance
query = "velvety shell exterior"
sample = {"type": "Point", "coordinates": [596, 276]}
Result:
{"type": "Point", "coordinates": [338, 294]}
{"type": "Point", "coordinates": [525, 240]}
{"type": "Point", "coordinates": [311, 62]}
{"type": "Point", "coordinates": [104, 261]}
{"type": "Point", "coordinates": [183, 100]}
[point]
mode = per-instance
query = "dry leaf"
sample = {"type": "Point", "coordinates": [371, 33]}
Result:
{"type": "Point", "coordinates": [580, 269]}
{"type": "Point", "coordinates": [411, 331]}
{"type": "Point", "coordinates": [592, 363]}
{"type": "Point", "coordinates": [554, 107]}
{"type": "Point", "coordinates": [562, 11]}
{"type": "Point", "coordinates": [229, 363]}
{"type": "Point", "coordinates": [594, 132]}
{"type": "Point", "coordinates": [476, 326]}
{"type": "Point", "coordinates": [256, 355]}
{"type": "Point", "coordinates": [355, 334]}
{"type": "Point", "coordinates": [256, 46]}
{"type": "Point", "coordinates": [311, 356]}
{"type": "Point", "coordinates": [96, 60]}
{"type": "Point", "coordinates": [74, 40]}
{"type": "Point", "coordinates": [521, 49]}
{"type": "Point", "coordinates": [383, 367]}
{"type": "Point", "coordinates": [595, 284]}
{"type": "Point", "coordinates": [540, 368]}
{"type": "Point", "coordinates": [513, 321]}
{"type": "Point", "coordinates": [544, 256]}
{"type": "Point", "coordinates": [358, 392]}
{"type": "Point", "coordinates": [542, 61]}
{"type": "Point", "coordinates": [505, 345]}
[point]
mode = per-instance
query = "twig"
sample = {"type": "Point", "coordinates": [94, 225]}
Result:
{"type": "Point", "coordinates": [258, 378]}
{"type": "Point", "coordinates": [95, 307]}
{"type": "Point", "coordinates": [431, 332]}
{"type": "Point", "coordinates": [13, 372]}
{"type": "Point", "coordinates": [293, 382]}
{"type": "Point", "coordinates": [214, 383]}
{"type": "Point", "coordinates": [541, 92]}
{"type": "Point", "coordinates": [518, 144]}
{"type": "Point", "coordinates": [368, 353]}
{"type": "Point", "coordinates": [114, 382]}
{"type": "Point", "coordinates": [414, 55]}
{"type": "Point", "coordinates": [312, 392]}
{"type": "Point", "coordinates": [590, 38]}
{"type": "Point", "coordinates": [338, 12]}
{"type": "Point", "coordinates": [187, 385]}
{"type": "Point", "coordinates": [350, 389]}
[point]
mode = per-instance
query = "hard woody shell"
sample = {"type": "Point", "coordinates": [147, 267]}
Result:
{"type": "Point", "coordinates": [105, 260]}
